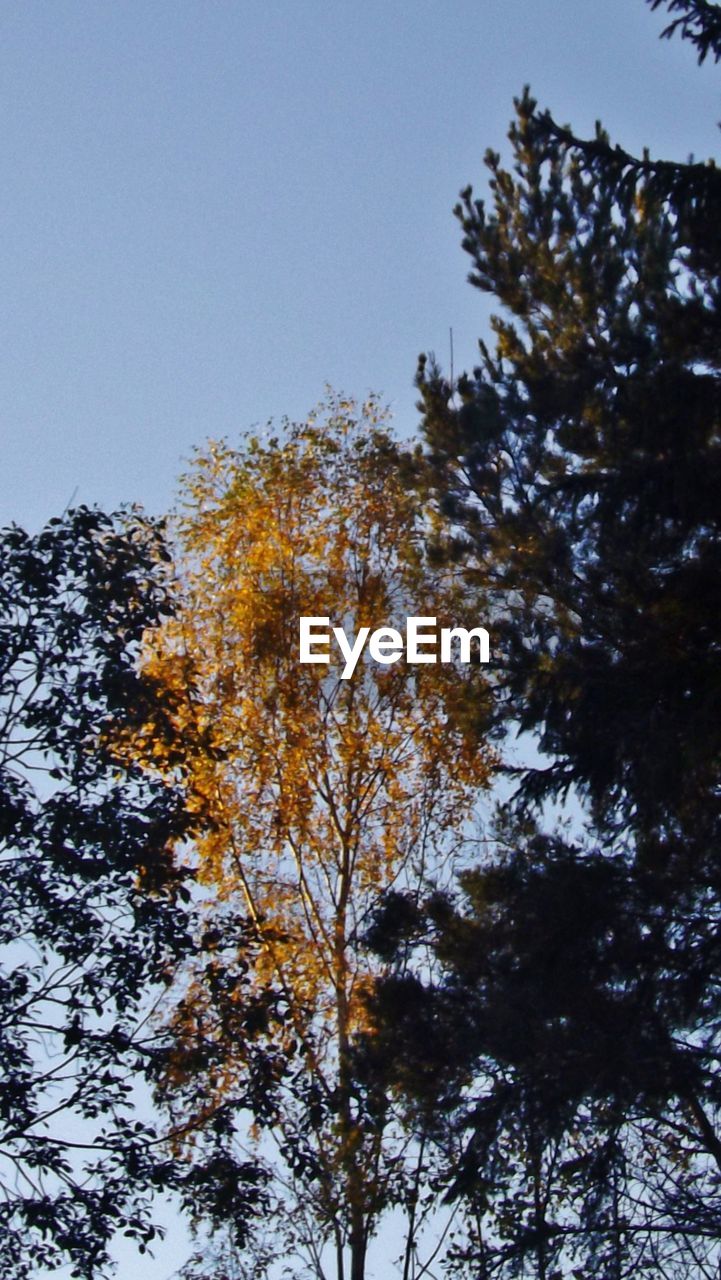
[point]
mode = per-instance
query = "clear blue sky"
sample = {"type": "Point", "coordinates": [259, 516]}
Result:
{"type": "Point", "coordinates": [212, 207]}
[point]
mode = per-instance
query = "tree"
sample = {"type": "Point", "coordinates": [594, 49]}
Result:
{"type": "Point", "coordinates": [558, 1056]}
{"type": "Point", "coordinates": [699, 22]}
{"type": "Point", "coordinates": [312, 793]}
{"type": "Point", "coordinates": [91, 913]}
{"type": "Point", "coordinates": [580, 462]}
{"type": "Point", "coordinates": [578, 470]}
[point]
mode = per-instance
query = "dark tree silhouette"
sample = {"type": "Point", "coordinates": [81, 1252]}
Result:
{"type": "Point", "coordinates": [580, 465]}
{"type": "Point", "coordinates": [578, 468]}
{"type": "Point", "coordinates": [698, 21]}
{"type": "Point", "coordinates": [91, 905]}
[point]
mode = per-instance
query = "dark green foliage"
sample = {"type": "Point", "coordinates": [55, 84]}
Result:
{"type": "Point", "coordinates": [698, 21]}
{"type": "Point", "coordinates": [564, 1061]}
{"type": "Point", "coordinates": [565, 1040]}
{"type": "Point", "coordinates": [581, 463]}
{"type": "Point", "coordinates": [91, 905]}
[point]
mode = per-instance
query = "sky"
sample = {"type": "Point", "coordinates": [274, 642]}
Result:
{"type": "Point", "coordinates": [212, 208]}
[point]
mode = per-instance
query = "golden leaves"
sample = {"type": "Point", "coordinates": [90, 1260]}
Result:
{"type": "Point", "coordinates": [312, 794]}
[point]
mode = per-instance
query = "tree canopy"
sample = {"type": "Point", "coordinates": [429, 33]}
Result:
{"type": "Point", "coordinates": [342, 1031]}
{"type": "Point", "coordinates": [580, 462]}
{"type": "Point", "coordinates": [577, 471]}
{"type": "Point", "coordinates": [91, 903]}
{"type": "Point", "coordinates": [312, 794]}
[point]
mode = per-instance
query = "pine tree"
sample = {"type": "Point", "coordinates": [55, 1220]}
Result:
{"type": "Point", "coordinates": [581, 463]}
{"type": "Point", "coordinates": [578, 470]}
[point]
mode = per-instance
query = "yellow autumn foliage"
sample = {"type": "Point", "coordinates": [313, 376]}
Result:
{"type": "Point", "coordinates": [312, 795]}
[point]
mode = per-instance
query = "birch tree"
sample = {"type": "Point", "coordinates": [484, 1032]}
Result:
{"type": "Point", "coordinates": [312, 795]}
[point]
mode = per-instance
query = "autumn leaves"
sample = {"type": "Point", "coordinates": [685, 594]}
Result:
{"type": "Point", "coordinates": [312, 794]}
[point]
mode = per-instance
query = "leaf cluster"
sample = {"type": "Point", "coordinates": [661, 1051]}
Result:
{"type": "Point", "coordinates": [310, 795]}
{"type": "Point", "coordinates": [91, 903]}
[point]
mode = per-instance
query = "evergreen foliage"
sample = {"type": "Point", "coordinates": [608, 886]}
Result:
{"type": "Point", "coordinates": [581, 464]}
{"type": "Point", "coordinates": [578, 470]}
{"type": "Point", "coordinates": [698, 21]}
